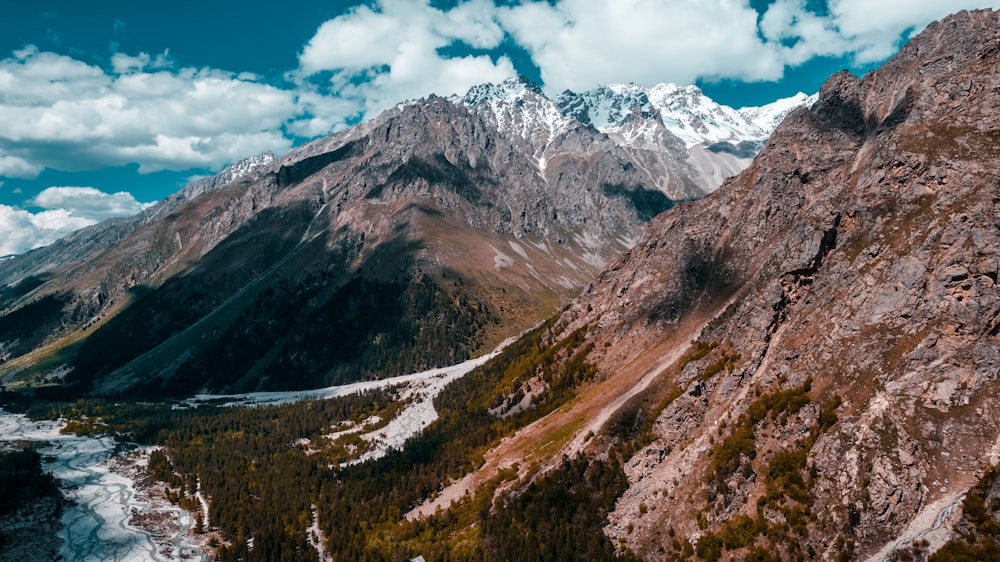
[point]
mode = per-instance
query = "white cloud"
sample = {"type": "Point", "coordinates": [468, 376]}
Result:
{"type": "Point", "coordinates": [125, 64]}
{"type": "Point", "coordinates": [379, 56]}
{"type": "Point", "coordinates": [581, 43]}
{"type": "Point", "coordinates": [58, 112]}
{"type": "Point", "coordinates": [14, 167]}
{"type": "Point", "coordinates": [863, 18]}
{"type": "Point", "coordinates": [64, 210]}
{"type": "Point", "coordinates": [868, 31]}
{"type": "Point", "coordinates": [88, 202]}
{"type": "Point", "coordinates": [21, 230]}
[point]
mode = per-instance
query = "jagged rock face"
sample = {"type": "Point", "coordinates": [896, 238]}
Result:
{"type": "Point", "coordinates": [859, 252]}
{"type": "Point", "coordinates": [429, 203]}
{"type": "Point", "coordinates": [566, 148]}
{"type": "Point", "coordinates": [682, 142]}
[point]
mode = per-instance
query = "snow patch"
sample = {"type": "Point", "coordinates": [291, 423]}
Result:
{"type": "Point", "coordinates": [501, 260]}
{"type": "Point", "coordinates": [316, 538]}
{"type": "Point", "coordinates": [591, 244]}
{"type": "Point", "coordinates": [518, 248]}
{"type": "Point", "coordinates": [419, 388]}
{"type": "Point", "coordinates": [420, 411]}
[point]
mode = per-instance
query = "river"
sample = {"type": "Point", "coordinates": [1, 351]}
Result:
{"type": "Point", "coordinates": [99, 479]}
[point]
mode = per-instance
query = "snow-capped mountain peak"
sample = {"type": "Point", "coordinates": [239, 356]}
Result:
{"type": "Point", "coordinates": [520, 110]}
{"type": "Point", "coordinates": [696, 118]}
{"type": "Point", "coordinates": [685, 111]}
{"type": "Point", "coordinates": [768, 117]}
{"type": "Point", "coordinates": [243, 167]}
{"type": "Point", "coordinates": [606, 107]}
{"type": "Point", "coordinates": [510, 89]}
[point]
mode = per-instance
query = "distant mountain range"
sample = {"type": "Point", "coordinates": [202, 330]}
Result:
{"type": "Point", "coordinates": [656, 126]}
{"type": "Point", "coordinates": [410, 241]}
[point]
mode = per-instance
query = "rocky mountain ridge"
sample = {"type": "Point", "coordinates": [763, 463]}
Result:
{"type": "Point", "coordinates": [806, 360]}
{"type": "Point", "coordinates": [671, 132]}
{"type": "Point", "coordinates": [876, 214]}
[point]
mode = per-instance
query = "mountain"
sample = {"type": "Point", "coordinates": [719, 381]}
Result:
{"type": "Point", "coordinates": [718, 141]}
{"type": "Point", "coordinates": [806, 362]}
{"type": "Point", "coordinates": [421, 237]}
{"type": "Point", "coordinates": [685, 111]}
{"type": "Point", "coordinates": [561, 147]}
{"type": "Point", "coordinates": [559, 143]}
{"type": "Point", "coordinates": [414, 240]}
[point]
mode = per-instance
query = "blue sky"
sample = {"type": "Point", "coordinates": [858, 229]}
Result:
{"type": "Point", "coordinates": [107, 106]}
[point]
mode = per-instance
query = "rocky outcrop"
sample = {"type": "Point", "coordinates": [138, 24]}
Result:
{"type": "Point", "coordinates": [854, 264]}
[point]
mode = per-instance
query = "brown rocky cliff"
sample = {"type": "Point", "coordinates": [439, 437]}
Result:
{"type": "Point", "coordinates": [859, 253]}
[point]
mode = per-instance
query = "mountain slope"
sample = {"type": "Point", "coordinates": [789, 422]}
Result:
{"type": "Point", "coordinates": [806, 360]}
{"type": "Point", "coordinates": [410, 241]}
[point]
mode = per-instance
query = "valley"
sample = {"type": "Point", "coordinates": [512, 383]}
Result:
{"type": "Point", "coordinates": [611, 356]}
{"type": "Point", "coordinates": [117, 512]}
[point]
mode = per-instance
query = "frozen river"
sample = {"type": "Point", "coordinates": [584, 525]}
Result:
{"type": "Point", "coordinates": [98, 526]}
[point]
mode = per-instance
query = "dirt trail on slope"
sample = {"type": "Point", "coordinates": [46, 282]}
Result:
{"type": "Point", "coordinates": [537, 447]}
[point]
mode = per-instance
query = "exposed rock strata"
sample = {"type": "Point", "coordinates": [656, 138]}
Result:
{"type": "Point", "coordinates": [859, 252]}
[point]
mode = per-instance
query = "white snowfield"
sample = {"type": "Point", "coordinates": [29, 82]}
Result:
{"type": "Point", "coordinates": [419, 389]}
{"type": "Point", "coordinates": [419, 412]}
{"type": "Point", "coordinates": [277, 398]}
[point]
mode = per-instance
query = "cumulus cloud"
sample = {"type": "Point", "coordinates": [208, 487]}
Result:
{"type": "Point", "coordinates": [88, 202]}
{"type": "Point", "coordinates": [868, 31]}
{"type": "Point", "coordinates": [63, 210]}
{"type": "Point", "coordinates": [62, 113]}
{"type": "Point", "coordinates": [14, 167]}
{"type": "Point", "coordinates": [581, 43]}
{"type": "Point", "coordinates": [21, 230]}
{"type": "Point", "coordinates": [381, 55]}
{"type": "Point", "coordinates": [377, 56]}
